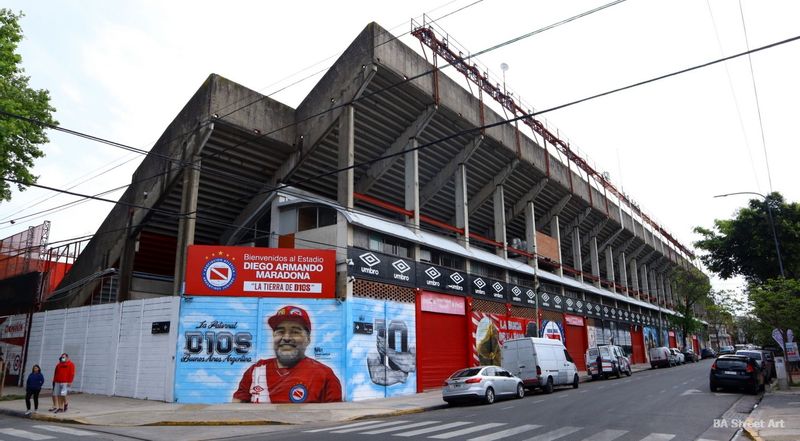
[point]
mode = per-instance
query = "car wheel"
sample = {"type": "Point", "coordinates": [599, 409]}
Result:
{"type": "Point", "coordinates": [652, 366]}
{"type": "Point", "coordinates": [618, 373]}
{"type": "Point", "coordinates": [489, 397]}
{"type": "Point", "coordinates": [753, 390]}
{"type": "Point", "coordinates": [713, 387]}
{"type": "Point", "coordinates": [575, 381]}
{"type": "Point", "coordinates": [595, 377]}
{"type": "Point", "coordinates": [520, 391]}
{"type": "Point", "coordinates": [548, 387]}
{"type": "Point", "coordinates": [629, 372]}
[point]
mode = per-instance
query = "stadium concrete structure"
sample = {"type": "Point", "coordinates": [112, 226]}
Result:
{"type": "Point", "coordinates": [388, 161]}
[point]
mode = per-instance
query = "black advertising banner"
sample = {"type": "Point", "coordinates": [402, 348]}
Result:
{"type": "Point", "coordinates": [592, 309]}
{"type": "Point", "coordinates": [485, 288]}
{"type": "Point", "coordinates": [437, 278]}
{"type": "Point", "coordinates": [554, 302]}
{"type": "Point", "coordinates": [521, 295]}
{"type": "Point", "coordinates": [570, 305]}
{"type": "Point", "coordinates": [381, 267]}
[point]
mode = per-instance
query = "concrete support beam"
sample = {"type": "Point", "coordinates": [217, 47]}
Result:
{"type": "Point", "coordinates": [344, 188]}
{"type": "Point", "coordinates": [500, 221]}
{"type": "Point", "coordinates": [577, 259]}
{"type": "Point", "coordinates": [530, 196]}
{"type": "Point", "coordinates": [412, 184]}
{"type": "Point", "coordinates": [594, 258]}
{"type": "Point", "coordinates": [438, 182]}
{"type": "Point", "coordinates": [488, 190]}
{"type": "Point", "coordinates": [610, 276]}
{"type": "Point", "coordinates": [462, 217]}
{"type": "Point", "coordinates": [188, 219]}
{"type": "Point", "coordinates": [554, 211]}
{"type": "Point", "coordinates": [378, 169]}
{"type": "Point", "coordinates": [530, 233]}
{"type": "Point", "coordinates": [644, 279]}
{"type": "Point", "coordinates": [623, 271]}
{"type": "Point", "coordinates": [555, 232]}
{"type": "Point", "coordinates": [635, 277]}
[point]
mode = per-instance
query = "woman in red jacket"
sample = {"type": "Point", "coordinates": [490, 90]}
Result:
{"type": "Point", "coordinates": [63, 376]}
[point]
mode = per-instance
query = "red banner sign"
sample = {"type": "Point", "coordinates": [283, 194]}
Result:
{"type": "Point", "coordinates": [260, 272]}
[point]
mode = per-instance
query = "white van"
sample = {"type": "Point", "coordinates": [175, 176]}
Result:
{"type": "Point", "coordinates": [539, 362]}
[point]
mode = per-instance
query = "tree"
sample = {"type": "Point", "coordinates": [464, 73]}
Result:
{"type": "Point", "coordinates": [691, 290]}
{"type": "Point", "coordinates": [719, 307]}
{"type": "Point", "coordinates": [745, 244]}
{"type": "Point", "coordinates": [777, 303]}
{"type": "Point", "coordinates": [24, 112]}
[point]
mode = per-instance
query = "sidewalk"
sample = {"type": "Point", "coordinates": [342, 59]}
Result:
{"type": "Point", "coordinates": [777, 417]}
{"type": "Point", "coordinates": [103, 410]}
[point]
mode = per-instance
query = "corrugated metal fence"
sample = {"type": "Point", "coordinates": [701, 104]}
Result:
{"type": "Point", "coordinates": [112, 347]}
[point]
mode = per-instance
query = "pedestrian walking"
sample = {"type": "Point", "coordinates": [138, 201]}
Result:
{"type": "Point", "coordinates": [32, 388]}
{"type": "Point", "coordinates": [63, 376]}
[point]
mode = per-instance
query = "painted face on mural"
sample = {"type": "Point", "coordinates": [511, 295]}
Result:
{"type": "Point", "coordinates": [290, 340]}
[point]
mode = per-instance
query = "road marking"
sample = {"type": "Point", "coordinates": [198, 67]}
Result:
{"type": "Point", "coordinates": [537, 401]}
{"type": "Point", "coordinates": [363, 423]}
{"type": "Point", "coordinates": [658, 437]}
{"type": "Point", "coordinates": [564, 395]}
{"type": "Point", "coordinates": [374, 426]}
{"type": "Point", "coordinates": [25, 434]}
{"type": "Point", "coordinates": [555, 434]}
{"type": "Point", "coordinates": [606, 435]}
{"type": "Point", "coordinates": [662, 391]}
{"type": "Point", "coordinates": [675, 387]}
{"type": "Point", "coordinates": [506, 408]}
{"type": "Point", "coordinates": [582, 391]}
{"type": "Point", "coordinates": [66, 430]}
{"type": "Point", "coordinates": [433, 429]}
{"type": "Point", "coordinates": [505, 433]}
{"type": "Point", "coordinates": [456, 433]}
{"type": "Point", "coordinates": [404, 427]}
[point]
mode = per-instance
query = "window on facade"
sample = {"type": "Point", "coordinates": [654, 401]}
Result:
{"type": "Point", "coordinates": [440, 258]}
{"type": "Point", "coordinates": [309, 218]}
{"type": "Point", "coordinates": [381, 243]}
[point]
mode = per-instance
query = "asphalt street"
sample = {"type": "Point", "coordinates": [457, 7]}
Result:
{"type": "Point", "coordinates": [653, 405]}
{"type": "Point", "coordinates": [662, 404]}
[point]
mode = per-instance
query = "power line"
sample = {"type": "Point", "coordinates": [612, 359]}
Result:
{"type": "Point", "coordinates": [755, 92]}
{"type": "Point", "coordinates": [241, 143]}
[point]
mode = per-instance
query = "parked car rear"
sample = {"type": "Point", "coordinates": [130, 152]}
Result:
{"type": "Point", "coordinates": [679, 358]}
{"type": "Point", "coordinates": [606, 360]}
{"type": "Point", "coordinates": [481, 383]}
{"type": "Point", "coordinates": [723, 350]}
{"type": "Point", "coordinates": [707, 353]}
{"type": "Point", "coordinates": [661, 357]}
{"type": "Point", "coordinates": [689, 355]}
{"type": "Point", "coordinates": [758, 356]}
{"type": "Point", "coordinates": [540, 362]}
{"type": "Point", "coordinates": [736, 371]}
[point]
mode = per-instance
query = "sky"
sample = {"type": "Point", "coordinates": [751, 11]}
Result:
{"type": "Point", "coordinates": [122, 71]}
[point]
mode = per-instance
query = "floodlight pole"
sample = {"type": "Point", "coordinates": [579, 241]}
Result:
{"type": "Point", "coordinates": [771, 223]}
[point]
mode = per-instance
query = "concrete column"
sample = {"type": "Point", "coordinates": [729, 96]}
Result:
{"type": "Point", "coordinates": [500, 221]}
{"type": "Point", "coordinates": [645, 281]}
{"type": "Point", "coordinates": [275, 222]}
{"type": "Point", "coordinates": [344, 231]}
{"type": "Point", "coordinates": [594, 259]}
{"type": "Point", "coordinates": [530, 233]}
{"type": "Point", "coordinates": [662, 291]}
{"type": "Point", "coordinates": [344, 189]}
{"type": "Point", "coordinates": [635, 278]}
{"type": "Point", "coordinates": [610, 276]}
{"type": "Point", "coordinates": [188, 220]}
{"type": "Point", "coordinates": [412, 183]}
{"type": "Point", "coordinates": [653, 285]}
{"type": "Point", "coordinates": [623, 271]}
{"type": "Point", "coordinates": [577, 258]}
{"type": "Point", "coordinates": [462, 204]}
{"type": "Point", "coordinates": [669, 290]}
{"type": "Point", "coordinates": [555, 231]}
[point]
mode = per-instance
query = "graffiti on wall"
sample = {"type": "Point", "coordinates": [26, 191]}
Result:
{"type": "Point", "coordinates": [381, 349]}
{"type": "Point", "coordinates": [490, 331]}
{"type": "Point", "coordinates": [259, 350]}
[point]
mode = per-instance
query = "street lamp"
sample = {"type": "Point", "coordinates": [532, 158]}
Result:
{"type": "Point", "coordinates": [771, 223]}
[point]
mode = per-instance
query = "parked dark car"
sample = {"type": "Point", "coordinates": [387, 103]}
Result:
{"type": "Point", "coordinates": [690, 356]}
{"type": "Point", "coordinates": [726, 350]}
{"type": "Point", "coordinates": [707, 353]}
{"type": "Point", "coordinates": [736, 371]}
{"type": "Point", "coordinates": [758, 356]}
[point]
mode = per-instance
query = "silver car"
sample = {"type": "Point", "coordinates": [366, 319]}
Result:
{"type": "Point", "coordinates": [484, 383]}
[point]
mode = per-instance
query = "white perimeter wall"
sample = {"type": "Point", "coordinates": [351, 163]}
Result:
{"type": "Point", "coordinates": [112, 347]}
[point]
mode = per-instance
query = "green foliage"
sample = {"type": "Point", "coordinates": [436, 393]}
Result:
{"type": "Point", "coordinates": [19, 139]}
{"type": "Point", "coordinates": [692, 288]}
{"type": "Point", "coordinates": [776, 303]}
{"type": "Point", "coordinates": [745, 244]}
{"type": "Point", "coordinates": [719, 307]}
